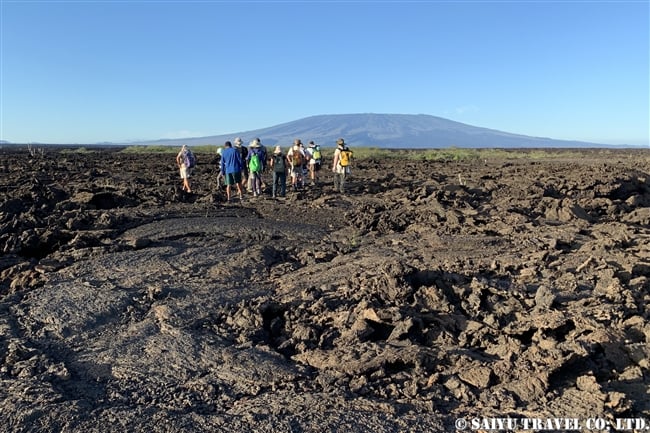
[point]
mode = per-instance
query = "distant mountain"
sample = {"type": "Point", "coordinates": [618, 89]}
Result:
{"type": "Point", "coordinates": [384, 131]}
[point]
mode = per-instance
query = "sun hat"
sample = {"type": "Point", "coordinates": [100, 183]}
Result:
{"type": "Point", "coordinates": [340, 142]}
{"type": "Point", "coordinates": [254, 143]}
{"type": "Point", "coordinates": [277, 150]}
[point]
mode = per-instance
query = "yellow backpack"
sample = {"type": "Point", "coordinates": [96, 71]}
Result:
{"type": "Point", "coordinates": [345, 157]}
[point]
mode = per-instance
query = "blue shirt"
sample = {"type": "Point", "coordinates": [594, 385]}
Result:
{"type": "Point", "coordinates": [231, 161]}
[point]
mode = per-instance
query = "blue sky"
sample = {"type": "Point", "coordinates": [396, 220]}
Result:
{"type": "Point", "coordinates": [92, 71]}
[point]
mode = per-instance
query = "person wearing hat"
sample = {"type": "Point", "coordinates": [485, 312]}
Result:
{"type": "Point", "coordinates": [243, 153]}
{"type": "Point", "coordinates": [182, 160]}
{"type": "Point", "coordinates": [341, 165]}
{"type": "Point", "coordinates": [315, 159]}
{"type": "Point", "coordinates": [255, 163]}
{"type": "Point", "coordinates": [265, 160]}
{"type": "Point", "coordinates": [264, 153]}
{"type": "Point", "coordinates": [305, 162]}
{"type": "Point", "coordinates": [231, 166]}
{"type": "Point", "coordinates": [279, 168]}
{"type": "Point", "coordinates": [296, 159]}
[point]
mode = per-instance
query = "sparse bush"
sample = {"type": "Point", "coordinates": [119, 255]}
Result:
{"type": "Point", "coordinates": [443, 154]}
{"type": "Point", "coordinates": [81, 150]}
{"type": "Point", "coordinates": [35, 151]}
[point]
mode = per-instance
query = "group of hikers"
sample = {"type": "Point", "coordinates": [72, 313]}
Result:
{"type": "Point", "coordinates": [242, 167]}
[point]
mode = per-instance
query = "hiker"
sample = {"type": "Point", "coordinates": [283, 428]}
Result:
{"type": "Point", "coordinates": [220, 176]}
{"type": "Point", "coordinates": [265, 162]}
{"type": "Point", "coordinates": [243, 154]}
{"type": "Point", "coordinates": [278, 165]}
{"type": "Point", "coordinates": [262, 151]}
{"type": "Point", "coordinates": [255, 163]}
{"type": "Point", "coordinates": [315, 159]}
{"type": "Point", "coordinates": [296, 159]}
{"type": "Point", "coordinates": [341, 165]}
{"type": "Point", "coordinates": [305, 164]}
{"type": "Point", "coordinates": [231, 165]}
{"type": "Point", "coordinates": [185, 162]}
{"type": "Point", "coordinates": [265, 158]}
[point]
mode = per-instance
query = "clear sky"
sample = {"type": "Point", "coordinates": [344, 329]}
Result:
{"type": "Point", "coordinates": [93, 71]}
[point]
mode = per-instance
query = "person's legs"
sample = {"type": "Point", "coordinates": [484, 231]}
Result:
{"type": "Point", "coordinates": [258, 184]}
{"type": "Point", "coordinates": [185, 174]}
{"type": "Point", "coordinates": [238, 182]}
{"type": "Point", "coordinates": [221, 179]}
{"type": "Point", "coordinates": [317, 168]}
{"type": "Point", "coordinates": [229, 179]}
{"type": "Point", "coordinates": [339, 182]}
{"type": "Point", "coordinates": [245, 178]}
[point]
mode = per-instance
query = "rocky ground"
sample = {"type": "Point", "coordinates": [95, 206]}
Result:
{"type": "Point", "coordinates": [432, 291]}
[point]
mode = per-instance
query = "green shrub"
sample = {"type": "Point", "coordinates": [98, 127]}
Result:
{"type": "Point", "coordinates": [205, 148]}
{"type": "Point", "coordinates": [444, 154]}
{"type": "Point", "coordinates": [77, 150]}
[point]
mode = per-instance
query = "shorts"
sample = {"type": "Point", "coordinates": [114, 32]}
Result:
{"type": "Point", "coordinates": [185, 172]}
{"type": "Point", "coordinates": [232, 178]}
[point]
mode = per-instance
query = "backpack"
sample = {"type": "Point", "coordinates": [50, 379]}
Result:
{"type": "Point", "coordinates": [279, 165]}
{"type": "Point", "coordinates": [297, 158]}
{"type": "Point", "coordinates": [254, 164]}
{"type": "Point", "coordinates": [316, 153]}
{"type": "Point", "coordinates": [189, 159]}
{"type": "Point", "coordinates": [345, 157]}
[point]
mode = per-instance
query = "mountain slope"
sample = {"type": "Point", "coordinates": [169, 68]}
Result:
{"type": "Point", "coordinates": [384, 130]}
